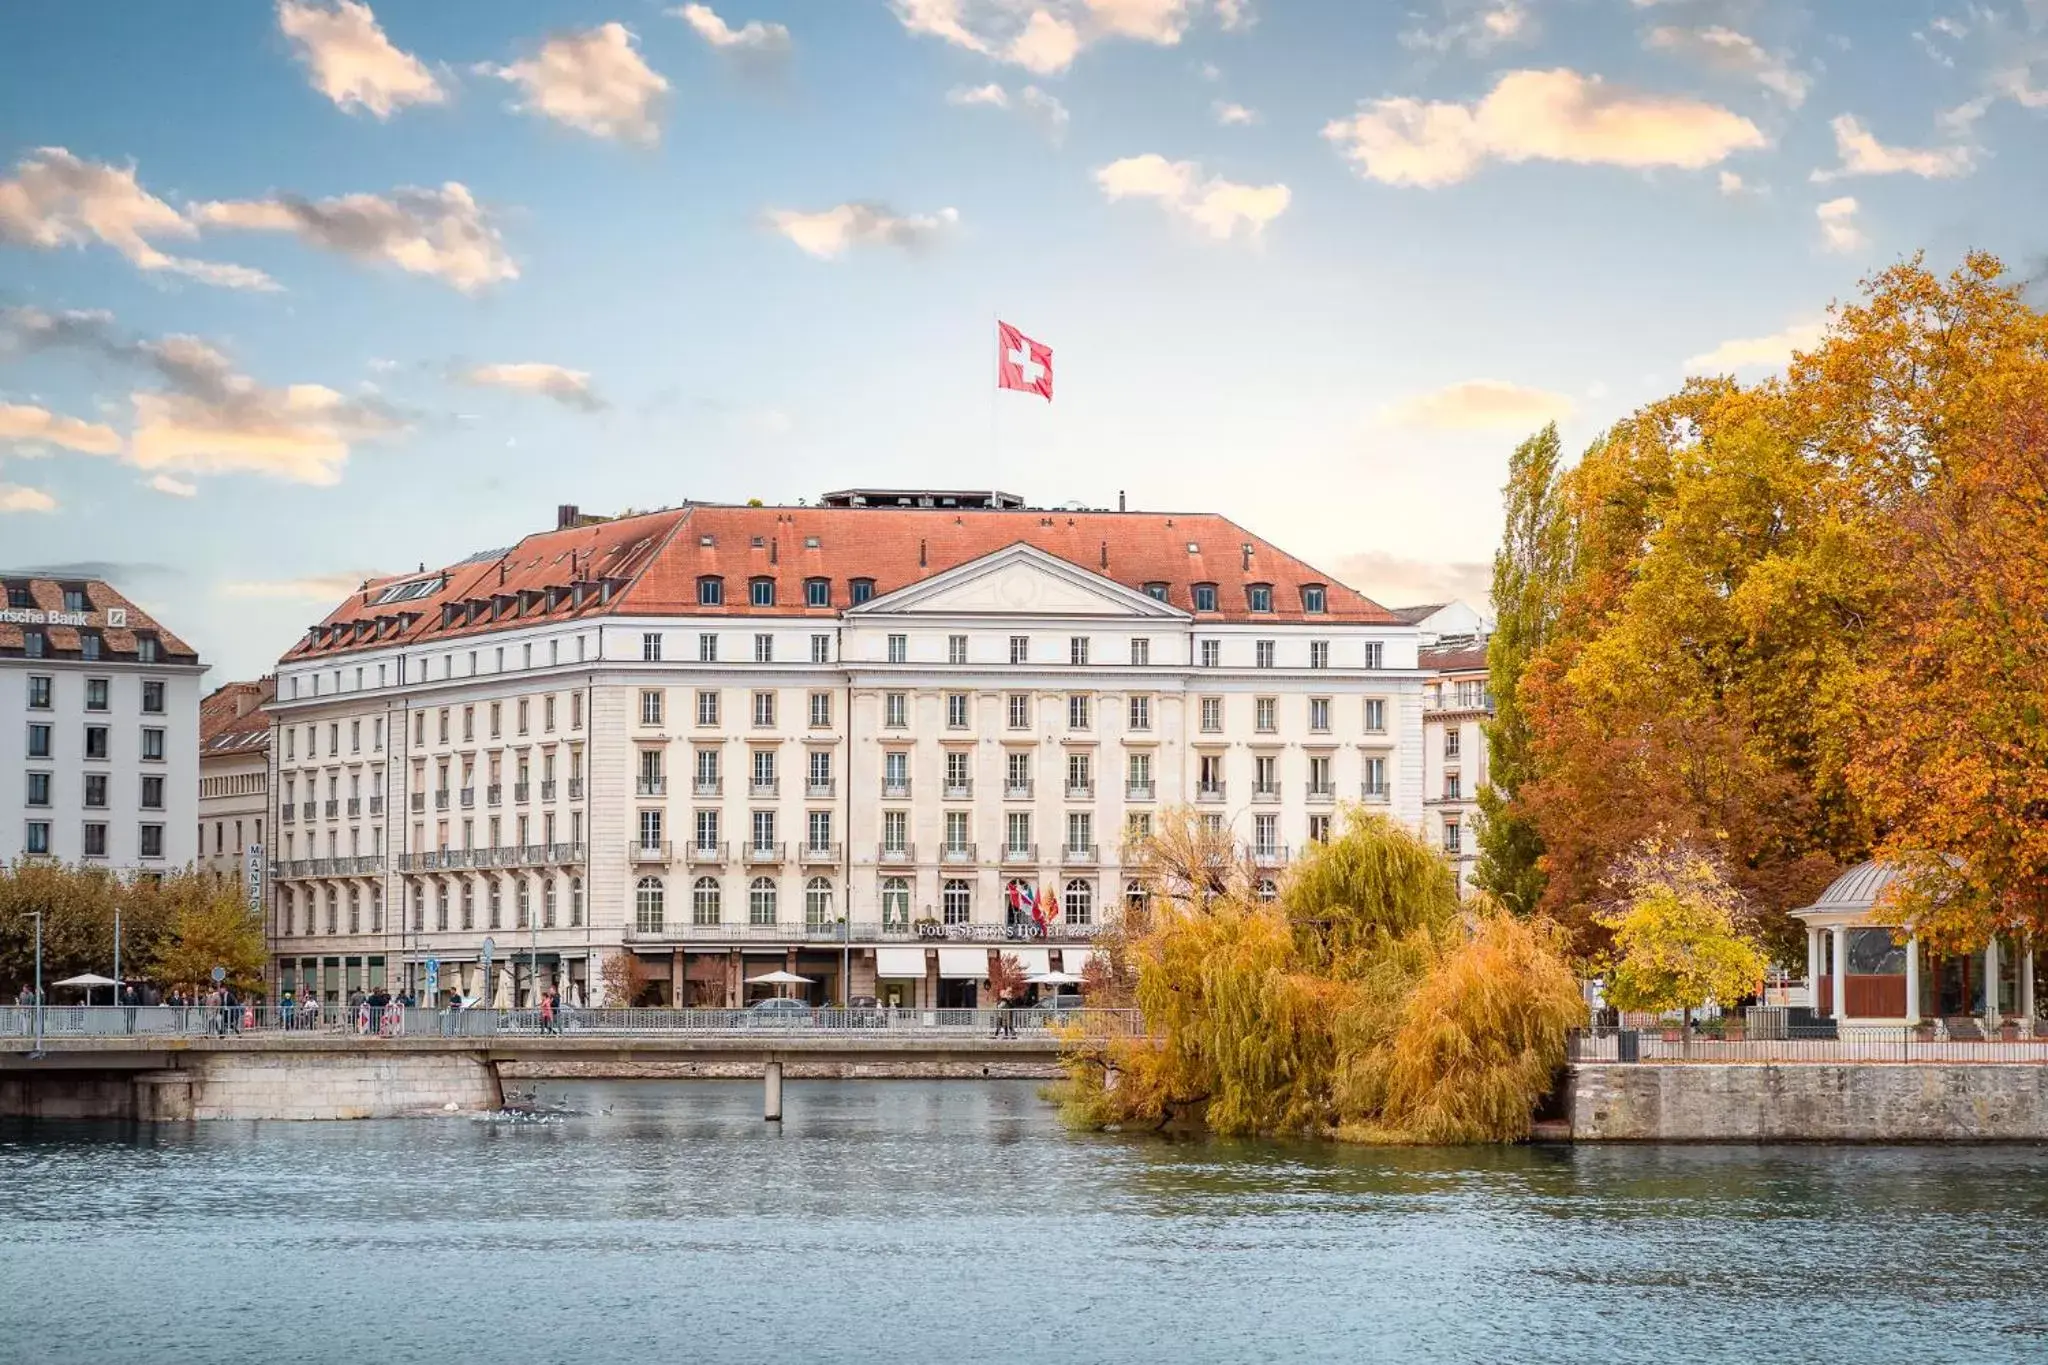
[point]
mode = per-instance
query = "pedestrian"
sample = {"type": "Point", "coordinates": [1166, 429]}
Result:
{"type": "Point", "coordinates": [547, 1011]}
{"type": "Point", "coordinates": [129, 1000]}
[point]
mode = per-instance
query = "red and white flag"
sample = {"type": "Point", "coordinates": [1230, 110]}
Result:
{"type": "Point", "coordinates": [1021, 363]}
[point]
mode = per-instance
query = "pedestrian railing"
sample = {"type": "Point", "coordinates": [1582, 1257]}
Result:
{"type": "Point", "coordinates": [1828, 1043]}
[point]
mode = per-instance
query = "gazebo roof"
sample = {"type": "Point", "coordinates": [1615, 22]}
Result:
{"type": "Point", "coordinates": [1853, 893]}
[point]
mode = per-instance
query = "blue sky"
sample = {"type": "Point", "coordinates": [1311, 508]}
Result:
{"type": "Point", "coordinates": [297, 292]}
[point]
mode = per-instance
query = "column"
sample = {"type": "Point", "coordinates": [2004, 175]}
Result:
{"type": "Point", "coordinates": [2027, 981]}
{"type": "Point", "coordinates": [1813, 966]}
{"type": "Point", "coordinates": [1840, 977]}
{"type": "Point", "coordinates": [1991, 981]}
{"type": "Point", "coordinates": [1913, 979]}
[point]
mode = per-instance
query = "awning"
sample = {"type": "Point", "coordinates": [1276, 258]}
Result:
{"type": "Point", "coordinates": [1035, 960]}
{"type": "Point", "coordinates": [899, 962]}
{"type": "Point", "coordinates": [963, 964]}
{"type": "Point", "coordinates": [1077, 959]}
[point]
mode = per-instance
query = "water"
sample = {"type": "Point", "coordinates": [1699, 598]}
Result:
{"type": "Point", "coordinates": [950, 1221]}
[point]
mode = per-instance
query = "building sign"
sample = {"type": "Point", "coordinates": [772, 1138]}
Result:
{"type": "Point", "coordinates": [1000, 933]}
{"type": "Point", "coordinates": [252, 874]}
{"type": "Point", "coordinates": [30, 616]}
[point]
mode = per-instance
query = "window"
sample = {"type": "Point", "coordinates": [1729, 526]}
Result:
{"type": "Point", "coordinates": [707, 772]}
{"type": "Point", "coordinates": [1019, 705]}
{"type": "Point", "coordinates": [821, 710]}
{"type": "Point", "coordinates": [1077, 711]}
{"type": "Point", "coordinates": [96, 741]}
{"type": "Point", "coordinates": [145, 652]}
{"type": "Point", "coordinates": [817, 592]}
{"type": "Point", "coordinates": [899, 649]}
{"type": "Point", "coordinates": [1156, 591]}
{"type": "Point", "coordinates": [95, 790]}
{"type": "Point", "coordinates": [710, 592]}
{"type": "Point", "coordinates": [895, 831]}
{"type": "Point", "coordinates": [1080, 831]}
{"type": "Point", "coordinates": [1375, 716]}
{"type": "Point", "coordinates": [1141, 651]}
{"type": "Point", "coordinates": [152, 841]}
{"type": "Point", "coordinates": [39, 694]}
{"type": "Point", "coordinates": [818, 830]}
{"type": "Point", "coordinates": [1375, 653]}
{"type": "Point", "coordinates": [1318, 653]}
{"type": "Point", "coordinates": [468, 903]}
{"type": "Point", "coordinates": [650, 829]}
{"type": "Point", "coordinates": [96, 690]}
{"type": "Point", "coordinates": [1137, 827]}
{"type": "Point", "coordinates": [956, 649]}
{"type": "Point", "coordinates": [38, 741]}
{"type": "Point", "coordinates": [761, 901]}
{"type": "Point", "coordinates": [1140, 766]}
{"type": "Point", "coordinates": [1313, 597]}
{"type": "Point", "coordinates": [956, 710]}
{"type": "Point", "coordinates": [37, 837]}
{"type": "Point", "coordinates": [821, 771]}
{"type": "Point", "coordinates": [153, 697]}
{"type": "Point", "coordinates": [707, 829]}
{"type": "Point", "coordinates": [821, 649]}
{"type": "Point", "coordinates": [1140, 713]}
{"type": "Point", "coordinates": [896, 770]}
{"type": "Point", "coordinates": [956, 902]}
{"type": "Point", "coordinates": [1018, 772]}
{"type": "Point", "coordinates": [1080, 775]}
{"type": "Point", "coordinates": [650, 707]}
{"type": "Point", "coordinates": [704, 901]}
{"type": "Point", "coordinates": [1211, 653]}
{"type": "Point", "coordinates": [764, 710]}
{"type": "Point", "coordinates": [95, 840]}
{"type": "Point", "coordinates": [18, 595]}
{"type": "Point", "coordinates": [707, 708]}
{"type": "Point", "coordinates": [1077, 650]}
{"type": "Point", "coordinates": [860, 590]}
{"type": "Point", "coordinates": [441, 908]}
{"type": "Point", "coordinates": [764, 649]}
{"type": "Point", "coordinates": [576, 704]}
{"type": "Point", "coordinates": [895, 710]}
{"type": "Point", "coordinates": [1078, 904]}
{"type": "Point", "coordinates": [1453, 787]}
{"type": "Point", "coordinates": [1212, 715]}
{"type": "Point", "coordinates": [1263, 653]}
{"type": "Point", "coordinates": [1451, 742]}
{"type": "Point", "coordinates": [959, 770]}
{"type": "Point", "coordinates": [818, 902]}
{"type": "Point", "coordinates": [1205, 597]}
{"type": "Point", "coordinates": [1319, 715]}
{"type": "Point", "coordinates": [1266, 834]}
{"type": "Point", "coordinates": [1375, 785]}
{"type": "Point", "coordinates": [1266, 776]}
{"type": "Point", "coordinates": [1319, 829]}
{"type": "Point", "coordinates": [707, 649]}
{"type": "Point", "coordinates": [650, 647]}
{"type": "Point", "coordinates": [955, 833]}
{"type": "Point", "coordinates": [39, 789]}
{"type": "Point", "coordinates": [1020, 649]}
{"type": "Point", "coordinates": [1017, 834]}
{"type": "Point", "coordinates": [522, 903]}
{"type": "Point", "coordinates": [1453, 842]}
{"type": "Point", "coordinates": [575, 902]}
{"type": "Point", "coordinates": [896, 902]}
{"type": "Point", "coordinates": [1319, 775]}
{"type": "Point", "coordinates": [1259, 597]}
{"type": "Point", "coordinates": [152, 793]}
{"type": "Point", "coordinates": [1209, 773]}
{"type": "Point", "coordinates": [764, 829]}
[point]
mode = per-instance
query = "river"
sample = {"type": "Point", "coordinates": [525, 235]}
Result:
{"type": "Point", "coordinates": [955, 1221]}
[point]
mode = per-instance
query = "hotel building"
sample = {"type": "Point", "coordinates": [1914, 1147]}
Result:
{"type": "Point", "coordinates": [234, 780]}
{"type": "Point", "coordinates": [842, 740]}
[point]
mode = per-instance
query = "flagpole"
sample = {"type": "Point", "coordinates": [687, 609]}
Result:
{"type": "Point", "coordinates": [995, 449]}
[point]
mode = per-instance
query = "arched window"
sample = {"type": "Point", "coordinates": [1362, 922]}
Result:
{"type": "Point", "coordinates": [761, 901]}
{"type": "Point", "coordinates": [440, 907]}
{"type": "Point", "coordinates": [956, 898]}
{"type": "Point", "coordinates": [761, 591]}
{"type": "Point", "coordinates": [710, 591]}
{"type": "Point", "coordinates": [468, 903]}
{"type": "Point", "coordinates": [494, 893]}
{"type": "Point", "coordinates": [1078, 905]}
{"type": "Point", "coordinates": [818, 902]}
{"type": "Point", "coordinates": [376, 909]}
{"type": "Point", "coordinates": [419, 907]}
{"type": "Point", "coordinates": [704, 901]}
{"type": "Point", "coordinates": [1268, 889]}
{"type": "Point", "coordinates": [896, 902]}
{"type": "Point", "coordinates": [575, 902]}
{"type": "Point", "coordinates": [333, 912]}
{"type": "Point", "coordinates": [547, 903]}
{"type": "Point", "coordinates": [355, 910]}
{"type": "Point", "coordinates": [286, 916]}
{"type": "Point", "coordinates": [522, 901]}
{"type": "Point", "coordinates": [647, 905]}
{"type": "Point", "coordinates": [1134, 896]}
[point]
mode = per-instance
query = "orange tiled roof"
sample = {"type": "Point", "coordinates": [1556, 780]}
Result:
{"type": "Point", "coordinates": [650, 565]}
{"type": "Point", "coordinates": [222, 730]}
{"type": "Point", "coordinates": [47, 595]}
{"type": "Point", "coordinates": [1454, 658]}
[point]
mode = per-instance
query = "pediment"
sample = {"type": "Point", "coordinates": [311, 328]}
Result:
{"type": "Point", "coordinates": [1018, 581]}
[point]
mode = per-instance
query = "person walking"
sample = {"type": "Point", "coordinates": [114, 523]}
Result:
{"type": "Point", "coordinates": [129, 1000]}
{"type": "Point", "coordinates": [547, 1011]}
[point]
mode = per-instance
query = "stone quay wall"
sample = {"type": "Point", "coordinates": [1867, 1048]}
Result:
{"type": "Point", "coordinates": [1808, 1102]}
{"type": "Point", "coordinates": [260, 1085]}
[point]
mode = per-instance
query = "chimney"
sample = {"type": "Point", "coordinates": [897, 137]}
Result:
{"type": "Point", "coordinates": [921, 560]}
{"type": "Point", "coordinates": [245, 700]}
{"type": "Point", "coordinates": [566, 515]}
{"type": "Point", "coordinates": [1119, 499]}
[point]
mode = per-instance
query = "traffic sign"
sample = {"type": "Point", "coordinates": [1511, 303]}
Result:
{"type": "Point", "coordinates": [220, 974]}
{"type": "Point", "coordinates": [433, 977]}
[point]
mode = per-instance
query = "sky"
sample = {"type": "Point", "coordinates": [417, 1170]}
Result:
{"type": "Point", "coordinates": [297, 292]}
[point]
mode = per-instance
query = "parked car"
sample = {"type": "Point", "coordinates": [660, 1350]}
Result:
{"type": "Point", "coordinates": [779, 1013]}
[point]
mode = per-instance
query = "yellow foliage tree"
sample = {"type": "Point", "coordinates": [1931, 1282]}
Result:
{"type": "Point", "coordinates": [211, 925]}
{"type": "Point", "coordinates": [1679, 940]}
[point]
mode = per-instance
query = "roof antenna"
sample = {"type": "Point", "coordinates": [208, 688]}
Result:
{"type": "Point", "coordinates": [1119, 499]}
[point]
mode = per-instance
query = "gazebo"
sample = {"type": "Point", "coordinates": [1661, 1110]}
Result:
{"type": "Point", "coordinates": [1859, 974]}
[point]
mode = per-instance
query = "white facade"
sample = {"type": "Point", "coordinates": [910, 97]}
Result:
{"type": "Point", "coordinates": [720, 795]}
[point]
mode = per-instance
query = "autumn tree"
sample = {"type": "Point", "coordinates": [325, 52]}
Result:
{"type": "Point", "coordinates": [211, 924]}
{"type": "Point", "coordinates": [1680, 933]}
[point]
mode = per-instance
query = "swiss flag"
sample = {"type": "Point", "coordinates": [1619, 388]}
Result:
{"type": "Point", "coordinates": [1021, 363]}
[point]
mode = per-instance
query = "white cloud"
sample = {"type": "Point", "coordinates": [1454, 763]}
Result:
{"type": "Point", "coordinates": [177, 488]}
{"type": "Point", "coordinates": [593, 81]}
{"type": "Point", "coordinates": [570, 388]}
{"type": "Point", "coordinates": [15, 498]}
{"type": "Point", "coordinates": [1764, 352]}
{"type": "Point", "coordinates": [1479, 404]}
{"type": "Point", "coordinates": [351, 61]}
{"type": "Point", "coordinates": [1041, 107]}
{"type": "Point", "coordinates": [1234, 115]}
{"type": "Point", "coordinates": [316, 588]}
{"type": "Point", "coordinates": [1730, 183]}
{"type": "Point", "coordinates": [1725, 49]}
{"type": "Point", "coordinates": [1863, 154]}
{"type": "Point", "coordinates": [1473, 26]}
{"type": "Point", "coordinates": [1046, 46]}
{"type": "Point", "coordinates": [1555, 115]}
{"type": "Point", "coordinates": [1394, 580]}
{"type": "Point", "coordinates": [755, 42]}
{"type": "Point", "coordinates": [21, 422]}
{"type": "Point", "coordinates": [441, 233]}
{"type": "Point", "coordinates": [1045, 36]}
{"type": "Point", "coordinates": [991, 95]}
{"type": "Point", "coordinates": [1235, 15]}
{"type": "Point", "coordinates": [1218, 207]}
{"type": "Point", "coordinates": [57, 199]}
{"type": "Point", "coordinates": [1838, 229]}
{"type": "Point", "coordinates": [829, 233]}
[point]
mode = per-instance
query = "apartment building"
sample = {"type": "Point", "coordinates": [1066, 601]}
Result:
{"type": "Point", "coordinates": [1456, 704]}
{"type": "Point", "coordinates": [99, 729]}
{"type": "Point", "coordinates": [234, 781]}
{"type": "Point", "coordinates": [863, 741]}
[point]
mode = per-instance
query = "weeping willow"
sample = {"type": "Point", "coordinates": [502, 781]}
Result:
{"type": "Point", "coordinates": [1365, 1003]}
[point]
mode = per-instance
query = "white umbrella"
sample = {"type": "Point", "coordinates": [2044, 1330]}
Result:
{"type": "Point", "coordinates": [778, 979]}
{"type": "Point", "coordinates": [503, 999]}
{"type": "Point", "coordinates": [1054, 979]}
{"type": "Point", "coordinates": [88, 979]}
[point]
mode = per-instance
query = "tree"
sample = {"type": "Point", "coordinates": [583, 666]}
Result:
{"type": "Point", "coordinates": [212, 925]}
{"type": "Point", "coordinates": [1529, 576]}
{"type": "Point", "coordinates": [1679, 937]}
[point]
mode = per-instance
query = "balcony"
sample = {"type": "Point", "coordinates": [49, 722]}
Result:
{"type": "Point", "coordinates": [563, 854]}
{"type": "Point", "coordinates": [1138, 791]}
{"type": "Point", "coordinates": [1373, 794]}
{"type": "Point", "coordinates": [897, 789]}
{"type": "Point", "coordinates": [333, 808]}
{"type": "Point", "coordinates": [1321, 793]}
{"type": "Point", "coordinates": [441, 799]}
{"type": "Point", "coordinates": [813, 855]}
{"type": "Point", "coordinates": [289, 813]}
{"type": "Point", "coordinates": [547, 790]}
{"type": "Point", "coordinates": [957, 853]}
{"type": "Point", "coordinates": [575, 789]}
{"type": "Point", "coordinates": [522, 792]}
{"type": "Point", "coordinates": [1269, 855]}
{"type": "Point", "coordinates": [958, 791]}
{"type": "Point", "coordinates": [1017, 791]}
{"type": "Point", "coordinates": [469, 798]}
{"type": "Point", "coordinates": [651, 786]}
{"type": "Point", "coordinates": [896, 854]}
{"type": "Point", "coordinates": [1265, 795]}
{"type": "Point", "coordinates": [706, 855]}
{"type": "Point", "coordinates": [376, 805]}
{"type": "Point", "coordinates": [763, 855]}
{"type": "Point", "coordinates": [1080, 791]}
{"type": "Point", "coordinates": [1078, 855]}
{"type": "Point", "coordinates": [650, 853]}
{"type": "Point", "coordinates": [355, 806]}
{"type": "Point", "coordinates": [494, 794]}
{"type": "Point", "coordinates": [704, 786]}
{"type": "Point", "coordinates": [1210, 793]}
{"type": "Point", "coordinates": [1020, 855]}
{"type": "Point", "coordinates": [821, 791]}
{"type": "Point", "coordinates": [760, 790]}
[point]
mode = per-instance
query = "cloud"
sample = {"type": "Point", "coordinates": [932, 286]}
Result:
{"type": "Point", "coordinates": [1555, 115]}
{"type": "Point", "coordinates": [1725, 49]}
{"type": "Point", "coordinates": [177, 488]}
{"type": "Point", "coordinates": [1473, 26]}
{"type": "Point", "coordinates": [19, 422]}
{"type": "Point", "coordinates": [352, 62]}
{"type": "Point", "coordinates": [1730, 183]}
{"type": "Point", "coordinates": [1838, 230]}
{"type": "Point", "coordinates": [56, 199]}
{"type": "Point", "coordinates": [1234, 115]}
{"type": "Point", "coordinates": [1765, 352]}
{"type": "Point", "coordinates": [442, 233]}
{"type": "Point", "coordinates": [593, 81]}
{"type": "Point", "coordinates": [1218, 207]}
{"type": "Point", "coordinates": [570, 388]}
{"type": "Point", "coordinates": [755, 44]}
{"type": "Point", "coordinates": [1046, 36]}
{"type": "Point", "coordinates": [1863, 154]}
{"type": "Point", "coordinates": [831, 232]}
{"type": "Point", "coordinates": [1039, 106]}
{"type": "Point", "coordinates": [15, 498]}
{"type": "Point", "coordinates": [1478, 404]}
{"type": "Point", "coordinates": [315, 587]}
{"type": "Point", "coordinates": [1389, 578]}
{"type": "Point", "coordinates": [1235, 15]}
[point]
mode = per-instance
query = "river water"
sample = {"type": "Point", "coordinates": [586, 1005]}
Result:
{"type": "Point", "coordinates": [953, 1221]}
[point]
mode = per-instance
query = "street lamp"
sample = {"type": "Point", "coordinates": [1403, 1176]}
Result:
{"type": "Point", "coordinates": [37, 916]}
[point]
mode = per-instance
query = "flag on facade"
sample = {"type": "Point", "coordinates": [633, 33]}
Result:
{"type": "Point", "coordinates": [1023, 899]}
{"type": "Point", "coordinates": [1021, 363]}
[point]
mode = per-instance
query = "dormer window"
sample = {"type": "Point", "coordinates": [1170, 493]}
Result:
{"type": "Point", "coordinates": [1258, 596]}
{"type": "Point", "coordinates": [817, 592]}
{"type": "Point", "coordinates": [1205, 597]}
{"type": "Point", "coordinates": [88, 644]}
{"type": "Point", "coordinates": [1156, 591]}
{"type": "Point", "coordinates": [74, 599]}
{"type": "Point", "coordinates": [18, 595]}
{"type": "Point", "coordinates": [145, 649]}
{"type": "Point", "coordinates": [861, 590]}
{"type": "Point", "coordinates": [1313, 600]}
{"type": "Point", "coordinates": [711, 591]}
{"type": "Point", "coordinates": [761, 592]}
